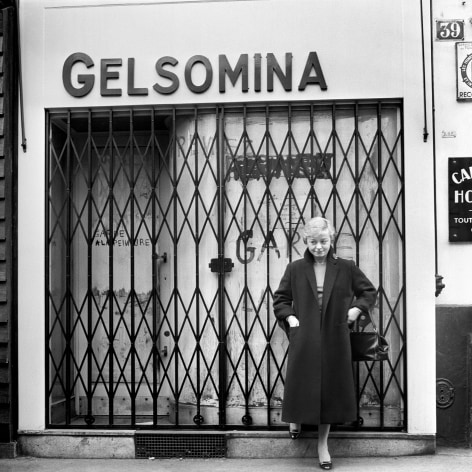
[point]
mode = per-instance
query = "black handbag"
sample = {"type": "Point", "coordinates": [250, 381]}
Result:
{"type": "Point", "coordinates": [369, 346]}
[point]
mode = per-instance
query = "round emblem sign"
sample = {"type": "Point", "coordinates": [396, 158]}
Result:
{"type": "Point", "coordinates": [465, 78]}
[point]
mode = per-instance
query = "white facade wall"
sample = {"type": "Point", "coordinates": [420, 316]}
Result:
{"type": "Point", "coordinates": [367, 49]}
{"type": "Point", "coordinates": [453, 139]}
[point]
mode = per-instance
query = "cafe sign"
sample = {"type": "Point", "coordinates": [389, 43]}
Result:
{"type": "Point", "coordinates": [460, 199]}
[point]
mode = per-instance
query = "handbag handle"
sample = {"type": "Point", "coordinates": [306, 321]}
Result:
{"type": "Point", "coordinates": [355, 324]}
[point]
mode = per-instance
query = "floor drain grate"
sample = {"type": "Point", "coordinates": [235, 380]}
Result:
{"type": "Point", "coordinates": [180, 445]}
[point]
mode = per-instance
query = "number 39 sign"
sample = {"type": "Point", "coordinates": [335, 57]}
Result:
{"type": "Point", "coordinates": [449, 30]}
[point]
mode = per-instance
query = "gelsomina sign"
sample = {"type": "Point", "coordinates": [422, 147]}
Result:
{"type": "Point", "coordinates": [81, 73]}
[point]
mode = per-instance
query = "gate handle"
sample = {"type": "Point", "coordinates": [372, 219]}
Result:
{"type": "Point", "coordinates": [163, 258]}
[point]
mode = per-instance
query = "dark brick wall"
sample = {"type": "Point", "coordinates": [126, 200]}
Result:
{"type": "Point", "coordinates": [8, 137]}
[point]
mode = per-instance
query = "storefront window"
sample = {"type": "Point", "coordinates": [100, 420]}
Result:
{"type": "Point", "coordinates": [169, 230]}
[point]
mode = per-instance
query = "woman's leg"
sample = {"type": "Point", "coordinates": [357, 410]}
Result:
{"type": "Point", "coordinates": [294, 430]}
{"type": "Point", "coordinates": [323, 453]}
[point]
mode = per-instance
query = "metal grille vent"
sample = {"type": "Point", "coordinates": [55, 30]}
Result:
{"type": "Point", "coordinates": [180, 445]}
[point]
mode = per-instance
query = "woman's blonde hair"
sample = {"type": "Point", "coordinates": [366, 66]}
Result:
{"type": "Point", "coordinates": [317, 224]}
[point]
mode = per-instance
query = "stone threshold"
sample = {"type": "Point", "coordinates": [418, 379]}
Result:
{"type": "Point", "coordinates": [114, 444]}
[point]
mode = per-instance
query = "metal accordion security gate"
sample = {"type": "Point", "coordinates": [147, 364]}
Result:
{"type": "Point", "coordinates": [168, 229]}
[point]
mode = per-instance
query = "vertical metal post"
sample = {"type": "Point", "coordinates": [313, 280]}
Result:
{"type": "Point", "coordinates": [89, 419]}
{"type": "Point", "coordinates": [357, 179]}
{"type": "Point", "coordinates": [68, 304]}
{"type": "Point", "coordinates": [312, 154]}
{"type": "Point", "coordinates": [356, 182]}
{"type": "Point", "coordinates": [177, 388]}
{"type": "Point", "coordinates": [132, 197]}
{"type": "Point", "coordinates": [334, 174]}
{"type": "Point", "coordinates": [111, 327]}
{"type": "Point", "coordinates": [288, 169]}
{"type": "Point", "coordinates": [154, 301]}
{"type": "Point", "coordinates": [220, 171]}
{"type": "Point", "coordinates": [47, 275]}
{"type": "Point", "coordinates": [269, 318]}
{"type": "Point", "coordinates": [198, 419]}
{"type": "Point", "coordinates": [381, 244]}
{"type": "Point", "coordinates": [247, 417]}
{"type": "Point", "coordinates": [405, 336]}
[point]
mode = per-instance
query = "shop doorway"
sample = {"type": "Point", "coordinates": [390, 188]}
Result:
{"type": "Point", "coordinates": [168, 230]}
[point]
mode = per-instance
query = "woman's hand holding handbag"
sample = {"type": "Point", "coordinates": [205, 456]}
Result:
{"type": "Point", "coordinates": [368, 346]}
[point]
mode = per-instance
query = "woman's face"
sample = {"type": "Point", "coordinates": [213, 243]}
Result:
{"type": "Point", "coordinates": [319, 243]}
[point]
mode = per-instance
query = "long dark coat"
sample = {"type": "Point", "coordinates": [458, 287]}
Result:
{"type": "Point", "coordinates": [319, 383]}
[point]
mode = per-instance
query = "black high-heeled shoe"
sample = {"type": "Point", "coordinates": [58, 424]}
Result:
{"type": "Point", "coordinates": [326, 465]}
{"type": "Point", "coordinates": [294, 433]}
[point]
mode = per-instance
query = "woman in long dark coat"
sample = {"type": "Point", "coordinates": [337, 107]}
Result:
{"type": "Point", "coordinates": [318, 298]}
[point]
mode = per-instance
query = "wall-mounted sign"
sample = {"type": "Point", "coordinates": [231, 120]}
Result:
{"type": "Point", "coordinates": [464, 70]}
{"type": "Point", "coordinates": [81, 73]}
{"type": "Point", "coordinates": [448, 134]}
{"type": "Point", "coordinates": [447, 30]}
{"type": "Point", "coordinates": [460, 199]}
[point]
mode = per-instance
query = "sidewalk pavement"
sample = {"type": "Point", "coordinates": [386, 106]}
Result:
{"type": "Point", "coordinates": [445, 459]}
